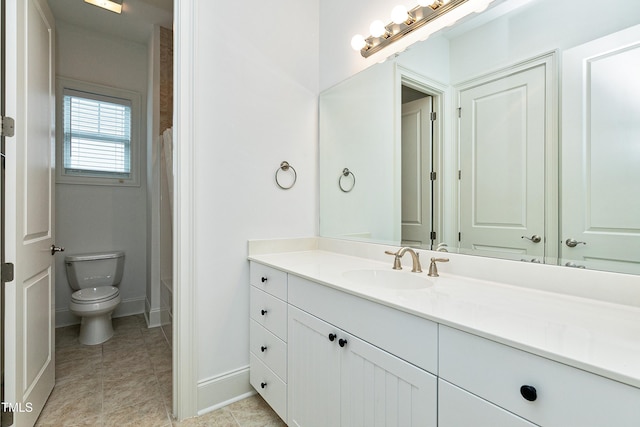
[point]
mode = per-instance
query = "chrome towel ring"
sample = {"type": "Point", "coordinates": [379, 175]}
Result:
{"type": "Point", "coordinates": [285, 166]}
{"type": "Point", "coordinates": [345, 173]}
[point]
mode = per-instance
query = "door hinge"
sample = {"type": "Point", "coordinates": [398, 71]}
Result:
{"type": "Point", "coordinates": [459, 237]}
{"type": "Point", "coordinates": [432, 176]}
{"type": "Point", "coordinates": [459, 174]}
{"type": "Point", "coordinates": [8, 126]}
{"type": "Point", "coordinates": [459, 112]}
{"type": "Point", "coordinates": [433, 116]}
{"type": "Point", "coordinates": [433, 235]}
{"type": "Point", "coordinates": [7, 272]}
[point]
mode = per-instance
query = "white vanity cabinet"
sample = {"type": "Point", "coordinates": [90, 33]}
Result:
{"type": "Point", "coordinates": [340, 378]}
{"type": "Point", "coordinates": [268, 336]}
{"type": "Point", "coordinates": [322, 355]}
{"type": "Point", "coordinates": [336, 379]}
{"type": "Point", "coordinates": [543, 391]}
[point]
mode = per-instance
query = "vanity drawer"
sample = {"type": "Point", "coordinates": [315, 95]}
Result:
{"type": "Point", "coordinates": [269, 312]}
{"type": "Point", "coordinates": [272, 389]}
{"type": "Point", "coordinates": [271, 350]}
{"type": "Point", "coordinates": [268, 279]}
{"type": "Point", "coordinates": [564, 396]}
{"type": "Point", "coordinates": [476, 412]}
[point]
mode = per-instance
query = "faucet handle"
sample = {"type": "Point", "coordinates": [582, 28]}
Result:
{"type": "Point", "coordinates": [433, 269]}
{"type": "Point", "coordinates": [397, 265]}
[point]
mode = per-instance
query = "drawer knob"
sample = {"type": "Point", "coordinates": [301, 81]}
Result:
{"type": "Point", "coordinates": [263, 279]}
{"type": "Point", "coordinates": [263, 385]}
{"type": "Point", "coordinates": [332, 337]}
{"type": "Point", "coordinates": [263, 348]}
{"type": "Point", "coordinates": [263, 312]}
{"type": "Point", "coordinates": [529, 392]}
{"type": "Point", "coordinates": [342, 342]}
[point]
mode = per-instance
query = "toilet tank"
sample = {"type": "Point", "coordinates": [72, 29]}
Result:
{"type": "Point", "coordinates": [94, 269]}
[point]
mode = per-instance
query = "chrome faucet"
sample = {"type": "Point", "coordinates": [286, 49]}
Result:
{"type": "Point", "coordinates": [397, 265]}
{"type": "Point", "coordinates": [433, 268]}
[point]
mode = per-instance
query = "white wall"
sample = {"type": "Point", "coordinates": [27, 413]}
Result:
{"type": "Point", "coordinates": [92, 218]}
{"type": "Point", "coordinates": [355, 119]}
{"type": "Point", "coordinates": [540, 27]}
{"type": "Point", "coordinates": [255, 105]}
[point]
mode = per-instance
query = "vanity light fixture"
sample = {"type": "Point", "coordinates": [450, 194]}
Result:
{"type": "Point", "coordinates": [112, 5]}
{"type": "Point", "coordinates": [403, 22]}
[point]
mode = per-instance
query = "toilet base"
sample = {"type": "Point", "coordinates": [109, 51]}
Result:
{"type": "Point", "coordinates": [96, 329]}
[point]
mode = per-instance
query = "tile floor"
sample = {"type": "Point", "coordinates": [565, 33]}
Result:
{"type": "Point", "coordinates": [127, 382]}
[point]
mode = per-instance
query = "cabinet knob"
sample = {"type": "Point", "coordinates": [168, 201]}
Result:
{"type": "Point", "coordinates": [529, 392]}
{"type": "Point", "coordinates": [263, 385]}
{"type": "Point", "coordinates": [263, 348]}
{"type": "Point", "coordinates": [264, 279]}
{"type": "Point", "coordinates": [342, 342]}
{"type": "Point", "coordinates": [332, 337]}
{"type": "Point", "coordinates": [263, 312]}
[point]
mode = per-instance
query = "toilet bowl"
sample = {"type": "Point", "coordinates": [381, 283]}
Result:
{"type": "Point", "coordinates": [94, 279]}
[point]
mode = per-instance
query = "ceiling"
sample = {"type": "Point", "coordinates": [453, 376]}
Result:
{"type": "Point", "coordinates": [135, 23]}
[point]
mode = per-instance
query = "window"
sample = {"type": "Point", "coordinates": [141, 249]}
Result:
{"type": "Point", "coordinates": [96, 135]}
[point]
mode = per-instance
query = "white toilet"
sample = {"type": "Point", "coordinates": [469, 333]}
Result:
{"type": "Point", "coordinates": [94, 278]}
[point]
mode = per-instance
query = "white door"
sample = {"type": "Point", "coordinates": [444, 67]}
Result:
{"type": "Point", "coordinates": [2, 139]}
{"type": "Point", "coordinates": [417, 166]}
{"type": "Point", "coordinates": [600, 221]}
{"type": "Point", "coordinates": [314, 371]}
{"type": "Point", "coordinates": [29, 236]}
{"type": "Point", "coordinates": [379, 389]}
{"type": "Point", "coordinates": [502, 166]}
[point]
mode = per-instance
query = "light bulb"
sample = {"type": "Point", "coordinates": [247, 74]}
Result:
{"type": "Point", "coordinates": [399, 14]}
{"type": "Point", "coordinates": [377, 29]}
{"type": "Point", "coordinates": [482, 6]}
{"type": "Point", "coordinates": [358, 42]}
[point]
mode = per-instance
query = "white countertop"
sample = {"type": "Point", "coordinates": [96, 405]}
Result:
{"type": "Point", "coordinates": [599, 337]}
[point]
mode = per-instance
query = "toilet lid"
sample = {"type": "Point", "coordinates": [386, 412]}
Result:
{"type": "Point", "coordinates": [99, 294]}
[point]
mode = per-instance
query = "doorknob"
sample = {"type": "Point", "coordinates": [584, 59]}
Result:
{"type": "Point", "coordinates": [535, 238]}
{"type": "Point", "coordinates": [572, 243]}
{"type": "Point", "coordinates": [55, 249]}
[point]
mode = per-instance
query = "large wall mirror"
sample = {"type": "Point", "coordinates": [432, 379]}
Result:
{"type": "Point", "coordinates": [513, 134]}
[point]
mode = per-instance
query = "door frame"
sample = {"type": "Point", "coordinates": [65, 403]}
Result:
{"type": "Point", "coordinates": [551, 150]}
{"type": "Point", "coordinates": [184, 264]}
{"type": "Point", "coordinates": [184, 362]}
{"type": "Point", "coordinates": [441, 95]}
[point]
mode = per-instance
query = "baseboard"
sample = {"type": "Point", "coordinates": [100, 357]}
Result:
{"type": "Point", "coordinates": [222, 390]}
{"type": "Point", "coordinates": [153, 316]}
{"type": "Point", "coordinates": [127, 307]}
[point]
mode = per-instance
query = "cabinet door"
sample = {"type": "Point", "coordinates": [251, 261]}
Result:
{"type": "Point", "coordinates": [458, 408]}
{"type": "Point", "coordinates": [314, 372]}
{"type": "Point", "coordinates": [379, 389]}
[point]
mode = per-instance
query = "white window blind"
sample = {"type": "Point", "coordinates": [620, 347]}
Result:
{"type": "Point", "coordinates": [97, 135]}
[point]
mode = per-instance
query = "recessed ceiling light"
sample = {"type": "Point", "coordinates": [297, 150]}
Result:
{"type": "Point", "coordinates": [112, 5]}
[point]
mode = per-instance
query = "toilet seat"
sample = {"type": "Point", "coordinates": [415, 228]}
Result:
{"type": "Point", "coordinates": [95, 295]}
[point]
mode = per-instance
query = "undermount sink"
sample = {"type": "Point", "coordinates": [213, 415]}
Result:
{"type": "Point", "coordinates": [392, 279]}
